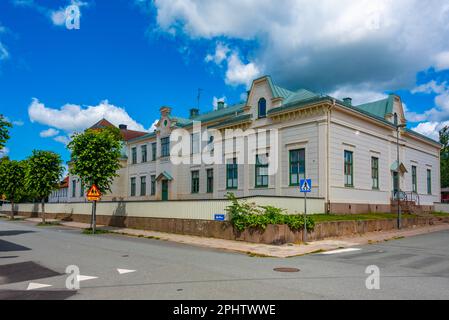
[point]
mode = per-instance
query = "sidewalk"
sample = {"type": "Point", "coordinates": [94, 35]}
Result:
{"type": "Point", "coordinates": [264, 250]}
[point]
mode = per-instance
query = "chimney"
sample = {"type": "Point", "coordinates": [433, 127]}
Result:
{"type": "Point", "coordinates": [122, 126]}
{"type": "Point", "coordinates": [347, 101]}
{"type": "Point", "coordinates": [194, 112]}
{"type": "Point", "coordinates": [220, 105]}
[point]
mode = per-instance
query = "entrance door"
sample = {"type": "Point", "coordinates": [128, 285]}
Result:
{"type": "Point", "coordinates": [395, 184]}
{"type": "Point", "coordinates": [164, 190]}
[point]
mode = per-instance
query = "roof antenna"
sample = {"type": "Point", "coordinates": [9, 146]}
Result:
{"type": "Point", "coordinates": [198, 97]}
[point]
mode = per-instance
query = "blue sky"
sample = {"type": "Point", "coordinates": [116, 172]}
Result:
{"type": "Point", "coordinates": [129, 57]}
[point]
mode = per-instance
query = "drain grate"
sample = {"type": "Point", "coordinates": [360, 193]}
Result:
{"type": "Point", "coordinates": [286, 269]}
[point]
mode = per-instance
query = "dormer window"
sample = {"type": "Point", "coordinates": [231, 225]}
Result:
{"type": "Point", "coordinates": [262, 108]}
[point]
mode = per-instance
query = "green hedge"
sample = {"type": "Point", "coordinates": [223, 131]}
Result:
{"type": "Point", "coordinates": [244, 215]}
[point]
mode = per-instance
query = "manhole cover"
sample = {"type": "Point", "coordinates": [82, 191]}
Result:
{"type": "Point", "coordinates": [286, 269]}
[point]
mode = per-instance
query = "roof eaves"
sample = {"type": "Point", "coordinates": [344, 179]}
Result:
{"type": "Point", "coordinates": [148, 135]}
{"type": "Point", "coordinates": [297, 104]}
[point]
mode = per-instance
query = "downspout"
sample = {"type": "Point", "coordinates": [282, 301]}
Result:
{"type": "Point", "coordinates": [328, 156]}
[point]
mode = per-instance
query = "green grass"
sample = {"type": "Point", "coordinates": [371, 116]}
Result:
{"type": "Point", "coordinates": [356, 217]}
{"type": "Point", "coordinates": [89, 231]}
{"type": "Point", "coordinates": [440, 214]}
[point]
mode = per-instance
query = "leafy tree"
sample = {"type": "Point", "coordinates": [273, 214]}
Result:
{"type": "Point", "coordinates": [444, 157]}
{"type": "Point", "coordinates": [4, 131]}
{"type": "Point", "coordinates": [44, 171]}
{"type": "Point", "coordinates": [96, 159]}
{"type": "Point", "coordinates": [12, 178]}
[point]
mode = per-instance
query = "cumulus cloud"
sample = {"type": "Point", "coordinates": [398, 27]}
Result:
{"type": "Point", "coordinates": [62, 139]}
{"type": "Point", "coordinates": [220, 54]}
{"type": "Point", "coordinates": [322, 44]}
{"type": "Point", "coordinates": [359, 94]}
{"type": "Point", "coordinates": [50, 132]}
{"type": "Point", "coordinates": [73, 117]}
{"type": "Point", "coordinates": [237, 73]}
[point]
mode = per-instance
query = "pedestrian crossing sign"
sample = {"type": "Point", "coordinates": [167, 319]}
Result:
{"type": "Point", "coordinates": [305, 185]}
{"type": "Point", "coordinates": [93, 194]}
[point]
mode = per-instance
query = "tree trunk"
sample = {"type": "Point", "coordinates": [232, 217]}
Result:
{"type": "Point", "coordinates": [12, 209]}
{"type": "Point", "coordinates": [43, 210]}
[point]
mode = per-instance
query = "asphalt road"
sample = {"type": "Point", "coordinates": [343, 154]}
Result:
{"type": "Point", "coordinates": [411, 268]}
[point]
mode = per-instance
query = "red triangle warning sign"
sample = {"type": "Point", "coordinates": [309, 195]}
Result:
{"type": "Point", "coordinates": [94, 193]}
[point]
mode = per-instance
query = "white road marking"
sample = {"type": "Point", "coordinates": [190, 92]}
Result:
{"type": "Point", "coordinates": [34, 285]}
{"type": "Point", "coordinates": [84, 278]}
{"type": "Point", "coordinates": [123, 271]}
{"type": "Point", "coordinates": [341, 251]}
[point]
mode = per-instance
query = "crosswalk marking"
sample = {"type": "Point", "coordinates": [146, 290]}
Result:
{"type": "Point", "coordinates": [341, 251]}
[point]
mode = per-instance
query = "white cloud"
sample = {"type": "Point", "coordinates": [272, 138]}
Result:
{"type": "Point", "coordinates": [442, 61]}
{"type": "Point", "coordinates": [220, 54]}
{"type": "Point", "coordinates": [438, 113]}
{"type": "Point", "coordinates": [430, 129]}
{"type": "Point", "coordinates": [153, 125]}
{"type": "Point", "coordinates": [50, 132]}
{"type": "Point", "coordinates": [72, 117]}
{"type": "Point", "coordinates": [18, 123]}
{"type": "Point", "coordinates": [4, 152]}
{"type": "Point", "coordinates": [237, 72]}
{"type": "Point", "coordinates": [359, 94]}
{"type": "Point", "coordinates": [240, 73]}
{"type": "Point", "coordinates": [63, 139]}
{"type": "Point", "coordinates": [58, 16]}
{"type": "Point", "coordinates": [322, 44]}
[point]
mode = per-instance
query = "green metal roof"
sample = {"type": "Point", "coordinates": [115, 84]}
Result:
{"type": "Point", "coordinates": [300, 95]}
{"type": "Point", "coordinates": [379, 108]}
{"type": "Point", "coordinates": [216, 114]}
{"type": "Point", "coordinates": [233, 120]}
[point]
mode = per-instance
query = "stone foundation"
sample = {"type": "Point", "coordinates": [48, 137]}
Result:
{"type": "Point", "coordinates": [274, 234]}
{"type": "Point", "coordinates": [360, 208]}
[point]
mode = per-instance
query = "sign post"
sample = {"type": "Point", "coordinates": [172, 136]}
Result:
{"type": "Point", "coordinates": [94, 195]}
{"type": "Point", "coordinates": [305, 186]}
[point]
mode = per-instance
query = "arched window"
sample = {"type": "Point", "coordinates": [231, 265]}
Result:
{"type": "Point", "coordinates": [262, 108]}
{"type": "Point", "coordinates": [395, 119]}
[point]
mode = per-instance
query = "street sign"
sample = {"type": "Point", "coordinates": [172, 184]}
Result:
{"type": "Point", "coordinates": [219, 217]}
{"type": "Point", "coordinates": [305, 185]}
{"type": "Point", "coordinates": [93, 194]}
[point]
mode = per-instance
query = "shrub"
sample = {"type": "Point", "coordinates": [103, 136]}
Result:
{"type": "Point", "coordinates": [245, 215]}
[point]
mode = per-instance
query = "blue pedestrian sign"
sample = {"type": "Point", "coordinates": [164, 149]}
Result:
{"type": "Point", "coordinates": [305, 185]}
{"type": "Point", "coordinates": [219, 217]}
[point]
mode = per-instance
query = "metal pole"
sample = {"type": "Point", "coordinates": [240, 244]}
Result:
{"type": "Point", "coordinates": [398, 179]}
{"type": "Point", "coordinates": [305, 217]}
{"type": "Point", "coordinates": [94, 220]}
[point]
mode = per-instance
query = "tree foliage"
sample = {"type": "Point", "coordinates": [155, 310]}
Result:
{"type": "Point", "coordinates": [12, 178]}
{"type": "Point", "coordinates": [444, 157]}
{"type": "Point", "coordinates": [44, 172]}
{"type": "Point", "coordinates": [4, 131]}
{"type": "Point", "coordinates": [96, 156]}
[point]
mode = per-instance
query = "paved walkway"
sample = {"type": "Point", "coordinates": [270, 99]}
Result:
{"type": "Point", "coordinates": [256, 249]}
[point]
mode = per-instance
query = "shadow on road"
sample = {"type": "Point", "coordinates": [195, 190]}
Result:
{"type": "Point", "coordinates": [7, 233]}
{"type": "Point", "coordinates": [6, 246]}
{"type": "Point", "coordinates": [24, 271]}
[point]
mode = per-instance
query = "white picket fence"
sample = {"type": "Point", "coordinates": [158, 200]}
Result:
{"type": "Point", "coordinates": [186, 209]}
